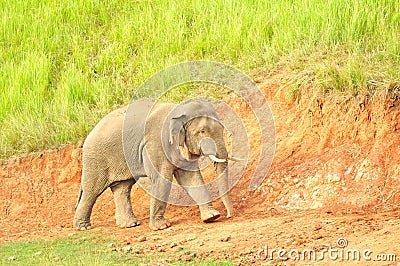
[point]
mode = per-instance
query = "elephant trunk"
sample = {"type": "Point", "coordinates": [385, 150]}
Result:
{"type": "Point", "coordinates": [221, 171]}
{"type": "Point", "coordinates": [216, 151]}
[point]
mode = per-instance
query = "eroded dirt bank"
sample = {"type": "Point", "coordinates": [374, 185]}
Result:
{"type": "Point", "coordinates": [336, 173]}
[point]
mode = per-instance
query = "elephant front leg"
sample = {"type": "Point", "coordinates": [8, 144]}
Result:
{"type": "Point", "coordinates": [160, 189]}
{"type": "Point", "coordinates": [194, 185]}
{"type": "Point", "coordinates": [157, 219]}
{"type": "Point", "coordinates": [208, 213]}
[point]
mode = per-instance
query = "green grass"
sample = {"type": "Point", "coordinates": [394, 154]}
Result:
{"type": "Point", "coordinates": [83, 249]}
{"type": "Point", "coordinates": [64, 64]}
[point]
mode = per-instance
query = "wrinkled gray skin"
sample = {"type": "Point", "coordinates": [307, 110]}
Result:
{"type": "Point", "coordinates": [104, 163]}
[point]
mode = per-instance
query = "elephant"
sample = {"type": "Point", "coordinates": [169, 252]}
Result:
{"type": "Point", "coordinates": [165, 141]}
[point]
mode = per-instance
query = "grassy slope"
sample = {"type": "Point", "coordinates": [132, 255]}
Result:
{"type": "Point", "coordinates": [64, 64]}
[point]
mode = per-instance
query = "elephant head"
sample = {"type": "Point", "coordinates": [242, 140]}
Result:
{"type": "Point", "coordinates": [194, 131]}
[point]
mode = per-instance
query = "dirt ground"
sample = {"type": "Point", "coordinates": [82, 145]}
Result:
{"type": "Point", "coordinates": [333, 188]}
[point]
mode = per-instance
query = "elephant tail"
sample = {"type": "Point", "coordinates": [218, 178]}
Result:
{"type": "Point", "coordinates": [79, 197]}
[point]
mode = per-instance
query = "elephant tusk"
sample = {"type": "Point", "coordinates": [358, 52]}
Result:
{"type": "Point", "coordinates": [216, 159]}
{"type": "Point", "coordinates": [235, 159]}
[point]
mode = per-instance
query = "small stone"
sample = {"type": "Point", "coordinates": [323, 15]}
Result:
{"type": "Point", "coordinates": [190, 238]}
{"type": "Point", "coordinates": [126, 249]}
{"type": "Point", "coordinates": [161, 249]}
{"type": "Point", "coordinates": [56, 259]}
{"type": "Point", "coordinates": [173, 244]}
{"type": "Point", "coordinates": [142, 238]}
{"type": "Point", "coordinates": [194, 254]}
{"type": "Point", "coordinates": [111, 245]}
{"type": "Point", "coordinates": [164, 244]}
{"type": "Point", "coordinates": [12, 258]}
{"type": "Point", "coordinates": [186, 258]}
{"type": "Point", "coordinates": [138, 249]}
{"type": "Point", "coordinates": [226, 239]}
{"type": "Point", "coordinates": [156, 238]}
{"type": "Point", "coordinates": [201, 244]}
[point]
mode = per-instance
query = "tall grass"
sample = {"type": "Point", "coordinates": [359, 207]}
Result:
{"type": "Point", "coordinates": [64, 64]}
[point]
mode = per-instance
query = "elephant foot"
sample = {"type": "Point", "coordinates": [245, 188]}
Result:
{"type": "Point", "coordinates": [159, 224]}
{"type": "Point", "coordinates": [127, 223]}
{"type": "Point", "coordinates": [210, 215]}
{"type": "Point", "coordinates": [82, 225]}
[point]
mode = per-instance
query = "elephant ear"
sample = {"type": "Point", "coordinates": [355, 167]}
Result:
{"type": "Point", "coordinates": [177, 130]}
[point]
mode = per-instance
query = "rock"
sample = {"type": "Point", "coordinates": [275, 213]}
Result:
{"type": "Point", "coordinates": [12, 258]}
{"type": "Point", "coordinates": [142, 238]}
{"type": "Point", "coordinates": [194, 254]}
{"type": "Point", "coordinates": [164, 244]}
{"type": "Point", "coordinates": [111, 245]}
{"type": "Point", "coordinates": [190, 238]}
{"type": "Point", "coordinates": [126, 249]}
{"type": "Point", "coordinates": [173, 244]}
{"type": "Point", "coordinates": [201, 243]}
{"type": "Point", "coordinates": [156, 238]}
{"type": "Point", "coordinates": [56, 259]}
{"type": "Point", "coordinates": [186, 258]}
{"type": "Point", "coordinates": [161, 249]}
{"type": "Point", "coordinates": [138, 249]}
{"type": "Point", "coordinates": [225, 239]}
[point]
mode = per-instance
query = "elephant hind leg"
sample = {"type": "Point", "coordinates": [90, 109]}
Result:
{"type": "Point", "coordinates": [92, 186]}
{"type": "Point", "coordinates": [84, 210]}
{"type": "Point", "coordinates": [124, 215]}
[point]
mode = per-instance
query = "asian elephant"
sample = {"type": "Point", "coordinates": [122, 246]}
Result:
{"type": "Point", "coordinates": [165, 141]}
